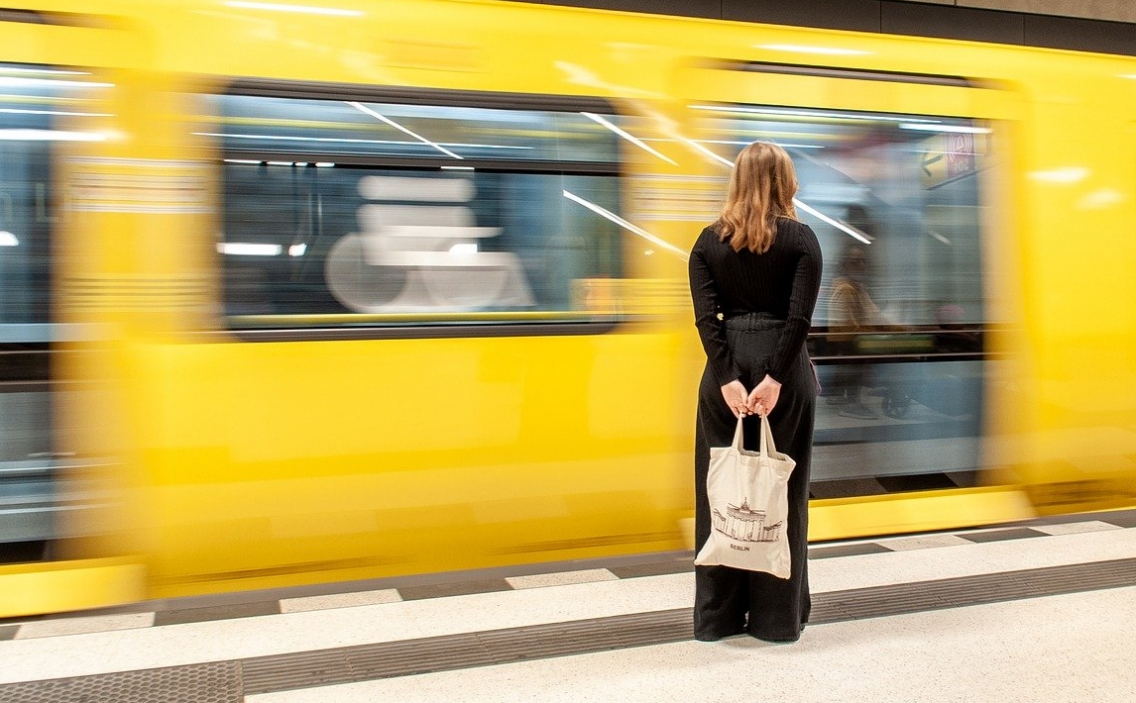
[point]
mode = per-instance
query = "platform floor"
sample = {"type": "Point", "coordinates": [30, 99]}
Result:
{"type": "Point", "coordinates": [1044, 611]}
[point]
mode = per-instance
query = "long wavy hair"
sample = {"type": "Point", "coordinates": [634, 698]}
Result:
{"type": "Point", "coordinates": [762, 187]}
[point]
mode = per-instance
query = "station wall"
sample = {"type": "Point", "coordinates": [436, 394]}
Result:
{"type": "Point", "coordinates": [1106, 26]}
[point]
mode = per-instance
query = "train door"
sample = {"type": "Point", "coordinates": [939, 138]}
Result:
{"type": "Point", "coordinates": [902, 178]}
{"type": "Point", "coordinates": [49, 103]}
{"type": "Point", "coordinates": [27, 457]}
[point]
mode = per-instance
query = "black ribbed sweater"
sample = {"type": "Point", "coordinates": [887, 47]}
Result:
{"type": "Point", "coordinates": [783, 282]}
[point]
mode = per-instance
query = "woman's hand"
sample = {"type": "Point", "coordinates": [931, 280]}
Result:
{"type": "Point", "coordinates": [735, 394]}
{"type": "Point", "coordinates": [764, 397]}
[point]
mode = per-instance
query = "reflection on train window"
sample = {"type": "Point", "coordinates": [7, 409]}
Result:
{"type": "Point", "coordinates": [898, 192]}
{"type": "Point", "coordinates": [896, 203]}
{"type": "Point", "coordinates": [30, 101]}
{"type": "Point", "coordinates": [345, 213]}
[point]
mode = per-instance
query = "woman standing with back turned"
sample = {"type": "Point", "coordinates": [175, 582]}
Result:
{"type": "Point", "coordinates": [754, 277]}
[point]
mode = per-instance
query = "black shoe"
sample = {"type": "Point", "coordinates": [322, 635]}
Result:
{"type": "Point", "coordinates": [714, 636]}
{"type": "Point", "coordinates": [776, 640]}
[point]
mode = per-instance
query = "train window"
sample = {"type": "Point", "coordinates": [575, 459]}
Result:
{"type": "Point", "coordinates": [36, 103]}
{"type": "Point", "coordinates": [896, 201]}
{"type": "Point", "coordinates": [347, 214]}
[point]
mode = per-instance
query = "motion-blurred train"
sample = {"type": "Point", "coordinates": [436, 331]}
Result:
{"type": "Point", "coordinates": [295, 293]}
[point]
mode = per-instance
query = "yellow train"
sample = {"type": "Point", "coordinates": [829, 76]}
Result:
{"type": "Point", "coordinates": [310, 292]}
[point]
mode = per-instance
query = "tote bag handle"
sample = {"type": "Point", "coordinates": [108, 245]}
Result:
{"type": "Point", "coordinates": [768, 448]}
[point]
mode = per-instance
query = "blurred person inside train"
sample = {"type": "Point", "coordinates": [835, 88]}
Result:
{"type": "Point", "coordinates": [755, 277]}
{"type": "Point", "coordinates": [852, 312]}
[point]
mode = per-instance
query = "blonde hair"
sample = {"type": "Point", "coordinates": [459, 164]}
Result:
{"type": "Point", "coordinates": [762, 187]}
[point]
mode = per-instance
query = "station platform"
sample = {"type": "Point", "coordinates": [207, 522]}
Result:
{"type": "Point", "coordinates": [1037, 611]}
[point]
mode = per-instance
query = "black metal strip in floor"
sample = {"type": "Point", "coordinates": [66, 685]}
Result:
{"type": "Point", "coordinates": [231, 681]}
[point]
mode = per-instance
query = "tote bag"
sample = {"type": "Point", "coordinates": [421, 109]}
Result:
{"type": "Point", "coordinates": [749, 506]}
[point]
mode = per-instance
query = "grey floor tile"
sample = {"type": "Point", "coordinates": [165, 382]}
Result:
{"type": "Point", "coordinates": [220, 612]}
{"type": "Point", "coordinates": [656, 569]}
{"type": "Point", "coordinates": [999, 535]}
{"type": "Point", "coordinates": [453, 589]}
{"type": "Point", "coordinates": [846, 550]}
{"type": "Point", "coordinates": [1127, 519]}
{"type": "Point", "coordinates": [1106, 516]}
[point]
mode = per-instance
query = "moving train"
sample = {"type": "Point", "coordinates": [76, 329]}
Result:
{"type": "Point", "coordinates": [300, 293]}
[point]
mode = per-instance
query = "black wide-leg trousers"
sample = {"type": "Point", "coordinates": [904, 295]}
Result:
{"type": "Point", "coordinates": [730, 601]}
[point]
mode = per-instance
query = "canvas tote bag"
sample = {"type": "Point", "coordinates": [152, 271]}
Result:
{"type": "Point", "coordinates": [749, 506]}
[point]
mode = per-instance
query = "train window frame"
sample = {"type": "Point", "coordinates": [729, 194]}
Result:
{"type": "Point", "coordinates": [400, 325]}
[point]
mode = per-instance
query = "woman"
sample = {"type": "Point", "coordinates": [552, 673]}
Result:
{"type": "Point", "coordinates": [754, 277]}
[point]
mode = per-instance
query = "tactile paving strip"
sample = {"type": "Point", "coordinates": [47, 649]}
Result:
{"type": "Point", "coordinates": [421, 656]}
{"type": "Point", "coordinates": [879, 601]}
{"type": "Point", "coordinates": [197, 683]}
